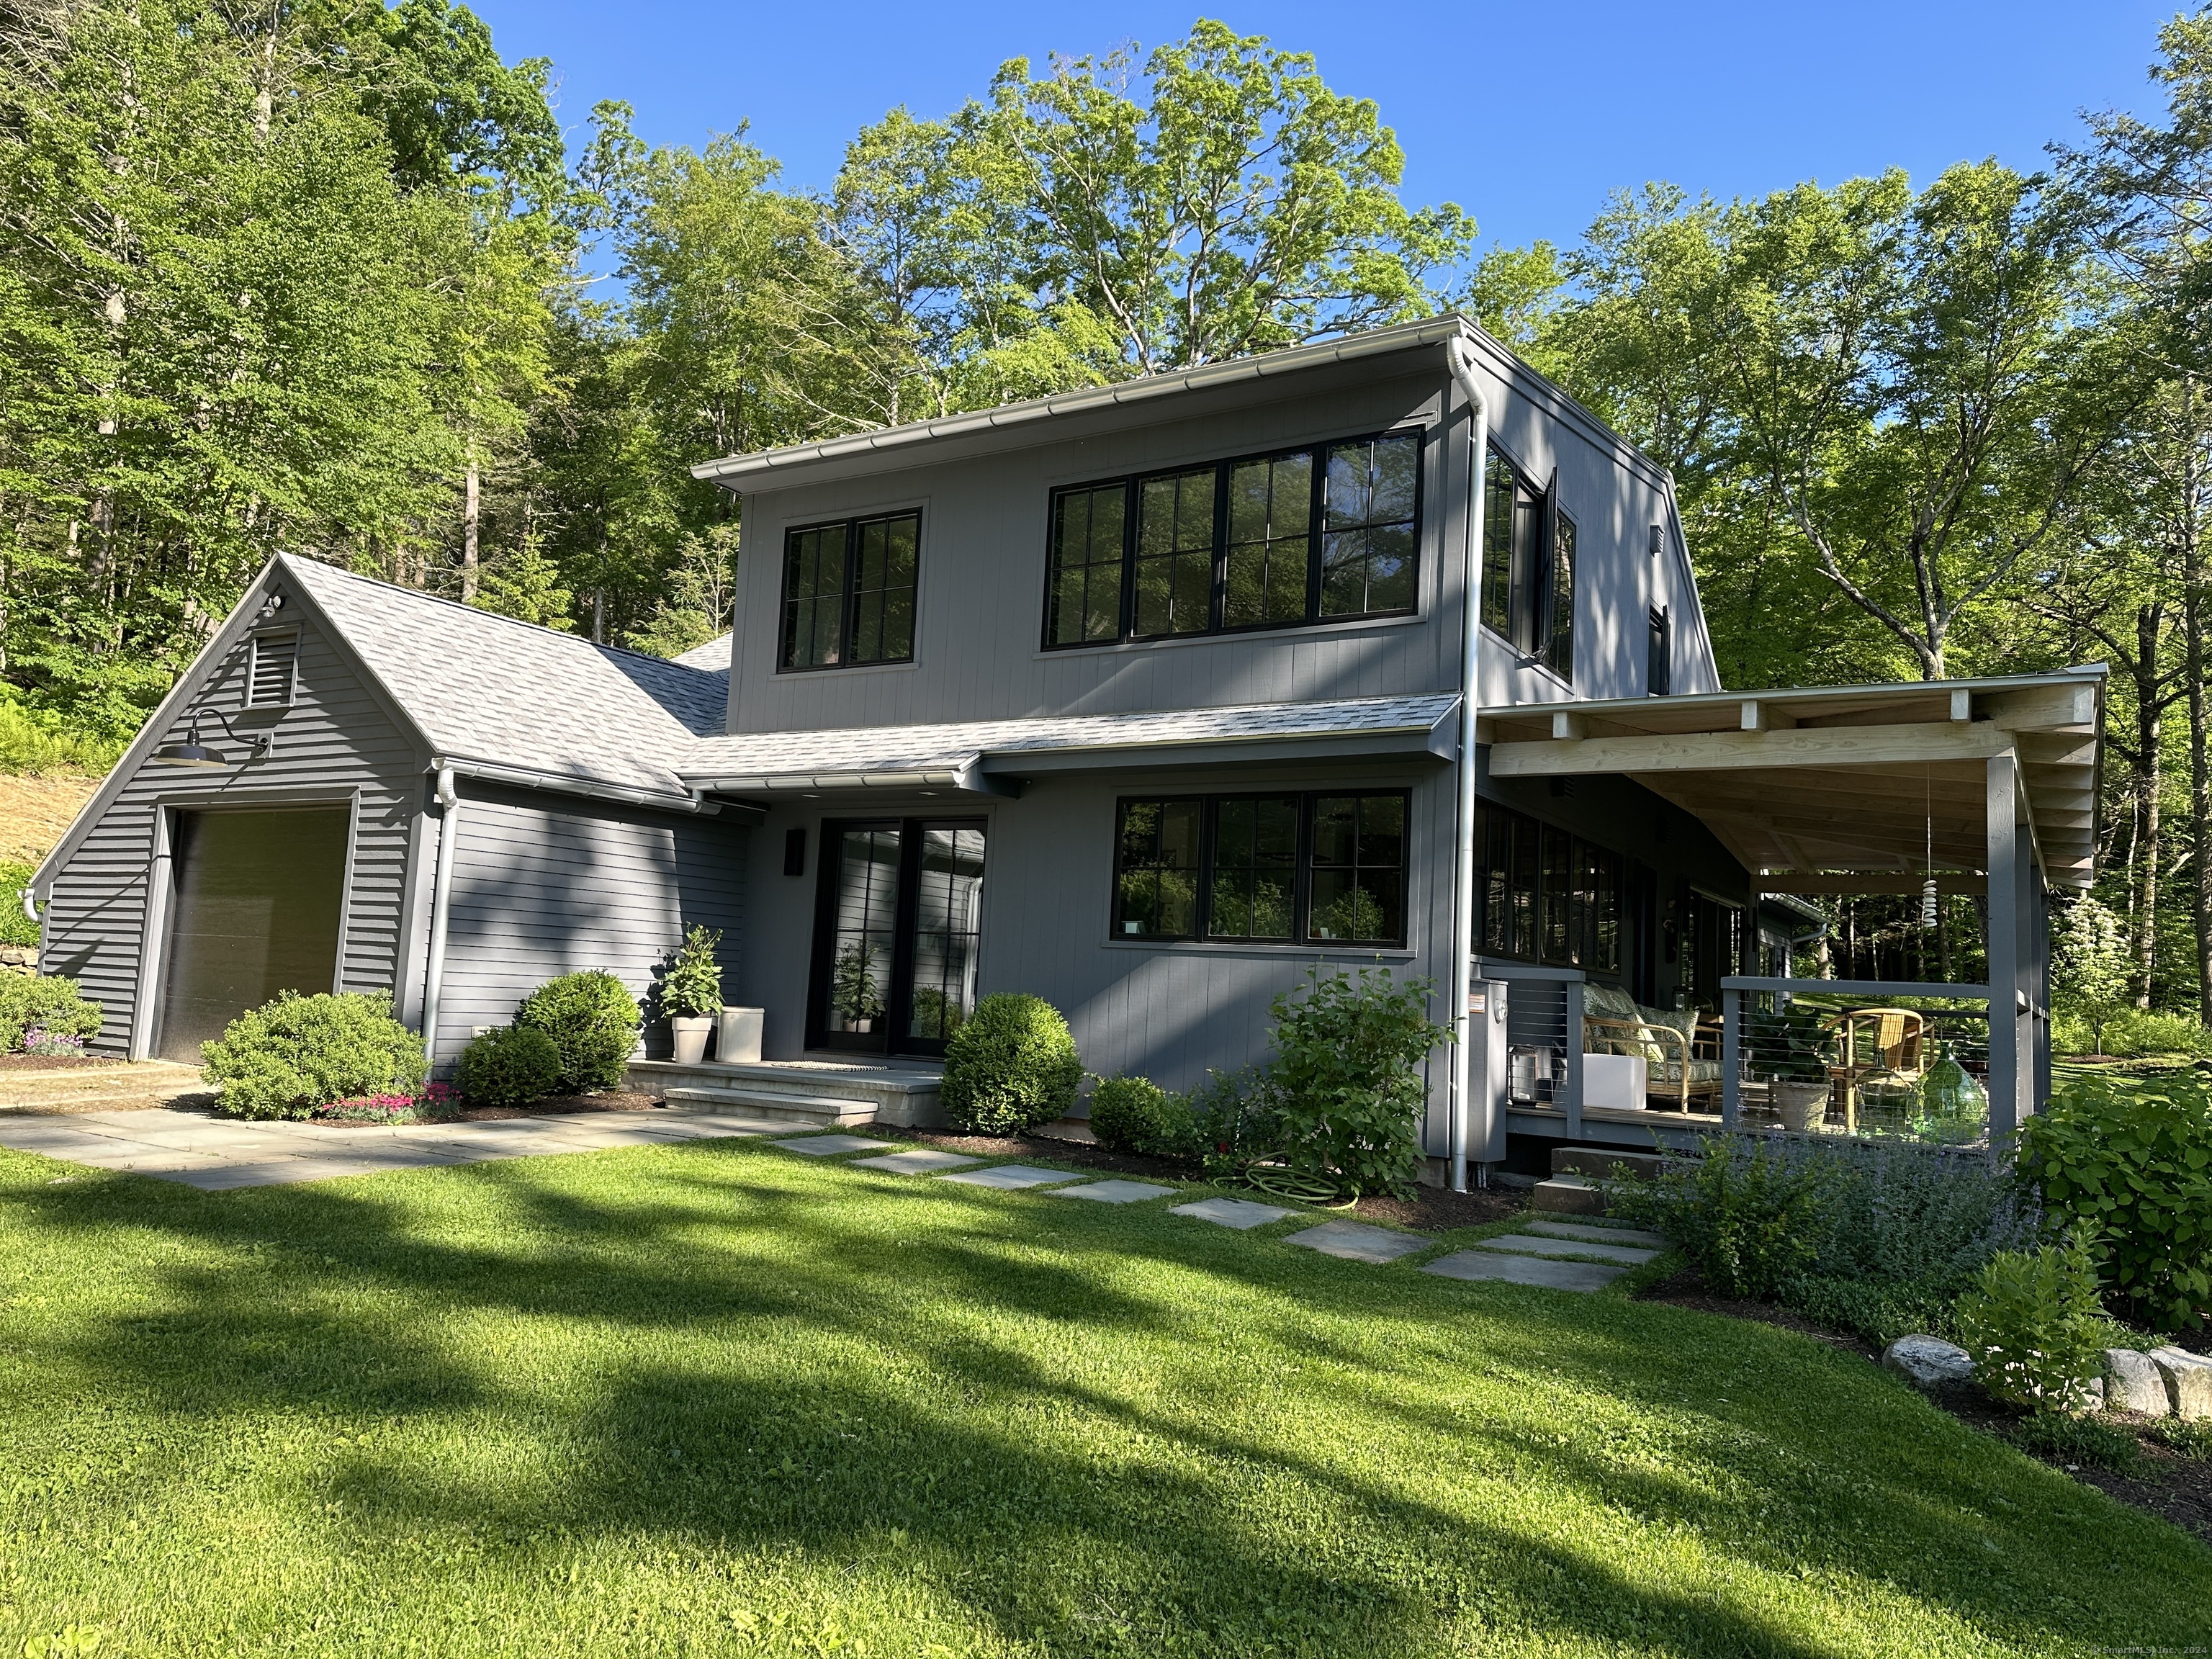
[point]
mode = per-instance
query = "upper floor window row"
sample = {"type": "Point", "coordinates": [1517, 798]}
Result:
{"type": "Point", "coordinates": [848, 592]}
{"type": "Point", "coordinates": [1529, 567]}
{"type": "Point", "coordinates": [1320, 535]}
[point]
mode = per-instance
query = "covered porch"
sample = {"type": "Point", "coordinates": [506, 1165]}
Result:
{"type": "Point", "coordinates": [1988, 787]}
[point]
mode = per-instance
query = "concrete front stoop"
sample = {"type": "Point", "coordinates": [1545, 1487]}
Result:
{"type": "Point", "coordinates": [1579, 1174]}
{"type": "Point", "coordinates": [825, 1093]}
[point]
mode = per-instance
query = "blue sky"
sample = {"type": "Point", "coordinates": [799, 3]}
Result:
{"type": "Point", "coordinates": [1525, 115]}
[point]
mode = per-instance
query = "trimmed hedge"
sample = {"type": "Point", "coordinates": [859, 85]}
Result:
{"type": "Point", "coordinates": [510, 1065]}
{"type": "Point", "coordinates": [1010, 1068]}
{"type": "Point", "coordinates": [286, 1058]}
{"type": "Point", "coordinates": [49, 1002]}
{"type": "Point", "coordinates": [1135, 1114]}
{"type": "Point", "coordinates": [593, 1020]}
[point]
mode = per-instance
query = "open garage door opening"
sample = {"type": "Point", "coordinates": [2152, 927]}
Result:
{"type": "Point", "coordinates": [256, 909]}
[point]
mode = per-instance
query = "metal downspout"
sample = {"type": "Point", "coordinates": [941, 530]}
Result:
{"type": "Point", "coordinates": [441, 897]}
{"type": "Point", "coordinates": [1463, 939]}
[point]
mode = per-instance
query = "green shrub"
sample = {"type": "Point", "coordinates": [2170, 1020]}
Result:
{"type": "Point", "coordinates": [1135, 1114]}
{"type": "Point", "coordinates": [2078, 1440]}
{"type": "Point", "coordinates": [1749, 1215]}
{"type": "Point", "coordinates": [49, 1002]}
{"type": "Point", "coordinates": [15, 928]}
{"type": "Point", "coordinates": [2129, 1161]}
{"type": "Point", "coordinates": [593, 1020]}
{"type": "Point", "coordinates": [1010, 1068]}
{"type": "Point", "coordinates": [508, 1067]}
{"type": "Point", "coordinates": [2190, 1439]}
{"type": "Point", "coordinates": [2034, 1324]}
{"type": "Point", "coordinates": [1346, 1082]}
{"type": "Point", "coordinates": [34, 742]}
{"type": "Point", "coordinates": [2127, 1033]}
{"type": "Point", "coordinates": [691, 984]}
{"type": "Point", "coordinates": [287, 1057]}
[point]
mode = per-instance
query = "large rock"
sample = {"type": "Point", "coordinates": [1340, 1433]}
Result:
{"type": "Point", "coordinates": [2133, 1382]}
{"type": "Point", "coordinates": [2188, 1381]}
{"type": "Point", "coordinates": [1929, 1362]}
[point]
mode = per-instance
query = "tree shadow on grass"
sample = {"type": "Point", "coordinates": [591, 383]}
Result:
{"type": "Point", "coordinates": [823, 1364]}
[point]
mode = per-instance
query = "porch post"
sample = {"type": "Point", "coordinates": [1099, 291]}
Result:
{"type": "Point", "coordinates": [2004, 950]}
{"type": "Point", "coordinates": [1731, 1058]}
{"type": "Point", "coordinates": [1574, 1058]}
{"type": "Point", "coordinates": [2039, 993]}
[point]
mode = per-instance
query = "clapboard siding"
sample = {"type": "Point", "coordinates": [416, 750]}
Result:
{"type": "Point", "coordinates": [336, 737]}
{"type": "Point", "coordinates": [544, 886]}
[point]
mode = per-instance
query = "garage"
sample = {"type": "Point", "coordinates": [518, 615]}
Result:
{"type": "Point", "coordinates": [256, 907]}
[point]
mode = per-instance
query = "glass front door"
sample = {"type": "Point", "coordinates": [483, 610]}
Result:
{"type": "Point", "coordinates": [896, 940]}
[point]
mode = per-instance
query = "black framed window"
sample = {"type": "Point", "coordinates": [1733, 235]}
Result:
{"type": "Point", "coordinates": [1323, 869]}
{"type": "Point", "coordinates": [1156, 871]}
{"type": "Point", "coordinates": [1527, 566]}
{"type": "Point", "coordinates": [1326, 534]}
{"type": "Point", "coordinates": [1543, 895]}
{"type": "Point", "coordinates": [848, 592]}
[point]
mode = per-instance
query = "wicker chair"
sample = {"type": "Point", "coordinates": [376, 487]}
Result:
{"type": "Point", "coordinates": [1682, 1051]}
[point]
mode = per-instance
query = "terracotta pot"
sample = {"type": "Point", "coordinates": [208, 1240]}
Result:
{"type": "Point", "coordinates": [1800, 1106]}
{"type": "Point", "coordinates": [690, 1033]}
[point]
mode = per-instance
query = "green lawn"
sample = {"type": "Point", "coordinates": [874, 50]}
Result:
{"type": "Point", "coordinates": [716, 1399]}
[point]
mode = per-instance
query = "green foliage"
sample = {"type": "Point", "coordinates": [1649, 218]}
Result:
{"type": "Point", "coordinates": [1135, 1114]}
{"type": "Point", "coordinates": [1010, 1068]}
{"type": "Point", "coordinates": [1748, 1214]}
{"type": "Point", "coordinates": [31, 741]}
{"type": "Point", "coordinates": [15, 928]}
{"type": "Point", "coordinates": [286, 1058]}
{"type": "Point", "coordinates": [507, 1066]}
{"type": "Point", "coordinates": [2082, 1440]}
{"type": "Point", "coordinates": [2034, 1325]}
{"type": "Point", "coordinates": [1788, 1045]}
{"type": "Point", "coordinates": [593, 1020]}
{"type": "Point", "coordinates": [692, 983]}
{"type": "Point", "coordinates": [1346, 1082]}
{"type": "Point", "coordinates": [47, 1001]}
{"type": "Point", "coordinates": [2128, 1161]}
{"type": "Point", "coordinates": [2089, 964]}
{"type": "Point", "coordinates": [2127, 1033]}
{"type": "Point", "coordinates": [2190, 1439]}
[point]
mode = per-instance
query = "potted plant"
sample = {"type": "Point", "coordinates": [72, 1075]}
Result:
{"type": "Point", "coordinates": [691, 991]}
{"type": "Point", "coordinates": [853, 992]}
{"type": "Point", "coordinates": [1790, 1050]}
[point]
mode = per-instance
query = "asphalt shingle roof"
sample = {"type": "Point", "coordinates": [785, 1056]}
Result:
{"type": "Point", "coordinates": [929, 748]}
{"type": "Point", "coordinates": [489, 688]}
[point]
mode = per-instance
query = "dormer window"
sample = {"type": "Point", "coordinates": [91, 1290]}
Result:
{"type": "Point", "coordinates": [272, 670]}
{"type": "Point", "coordinates": [1308, 536]}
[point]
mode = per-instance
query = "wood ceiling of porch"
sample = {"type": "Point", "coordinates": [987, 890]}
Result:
{"type": "Point", "coordinates": [1824, 780]}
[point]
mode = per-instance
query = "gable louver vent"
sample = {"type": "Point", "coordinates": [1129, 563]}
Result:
{"type": "Point", "coordinates": [271, 684]}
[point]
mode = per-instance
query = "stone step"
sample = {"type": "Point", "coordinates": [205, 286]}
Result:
{"type": "Point", "coordinates": [1603, 1232]}
{"type": "Point", "coordinates": [1524, 1270]}
{"type": "Point", "coordinates": [785, 1106]}
{"type": "Point", "coordinates": [1566, 1194]}
{"type": "Point", "coordinates": [1595, 1162]}
{"type": "Point", "coordinates": [1530, 1244]}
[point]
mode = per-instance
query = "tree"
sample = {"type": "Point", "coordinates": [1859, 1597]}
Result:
{"type": "Point", "coordinates": [2089, 961]}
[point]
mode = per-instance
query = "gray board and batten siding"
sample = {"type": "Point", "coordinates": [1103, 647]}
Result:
{"type": "Point", "coordinates": [984, 498]}
{"type": "Point", "coordinates": [336, 743]}
{"type": "Point", "coordinates": [612, 883]}
{"type": "Point", "coordinates": [543, 886]}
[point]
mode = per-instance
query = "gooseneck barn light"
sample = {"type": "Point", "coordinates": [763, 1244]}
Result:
{"type": "Point", "coordinates": [192, 752]}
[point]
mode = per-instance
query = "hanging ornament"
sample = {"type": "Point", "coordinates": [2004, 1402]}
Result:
{"type": "Point", "coordinates": [1928, 887]}
{"type": "Point", "coordinates": [1928, 902]}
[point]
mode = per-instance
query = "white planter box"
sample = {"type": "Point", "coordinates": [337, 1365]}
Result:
{"type": "Point", "coordinates": [737, 1035]}
{"type": "Point", "coordinates": [1616, 1082]}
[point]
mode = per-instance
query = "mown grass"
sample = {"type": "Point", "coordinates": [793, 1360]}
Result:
{"type": "Point", "coordinates": [717, 1398]}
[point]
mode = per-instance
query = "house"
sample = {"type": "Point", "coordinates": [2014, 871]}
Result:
{"type": "Point", "coordinates": [1146, 699]}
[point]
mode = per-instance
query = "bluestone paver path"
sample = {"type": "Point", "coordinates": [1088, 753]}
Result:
{"type": "Point", "coordinates": [1529, 1244]}
{"type": "Point", "coordinates": [1357, 1243]}
{"type": "Point", "coordinates": [923, 1160]}
{"type": "Point", "coordinates": [219, 1154]}
{"type": "Point", "coordinates": [1115, 1192]}
{"type": "Point", "coordinates": [832, 1145]}
{"type": "Point", "coordinates": [1523, 1270]}
{"type": "Point", "coordinates": [1596, 1235]}
{"type": "Point", "coordinates": [1012, 1177]}
{"type": "Point", "coordinates": [1236, 1212]}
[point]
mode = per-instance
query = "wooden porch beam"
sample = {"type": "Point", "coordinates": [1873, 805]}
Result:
{"type": "Point", "coordinates": [1947, 882]}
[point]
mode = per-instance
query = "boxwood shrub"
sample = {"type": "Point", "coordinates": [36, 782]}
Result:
{"type": "Point", "coordinates": [593, 1020]}
{"type": "Point", "coordinates": [287, 1057]}
{"type": "Point", "coordinates": [2128, 1161]}
{"type": "Point", "coordinates": [49, 1002]}
{"type": "Point", "coordinates": [1010, 1068]}
{"type": "Point", "coordinates": [510, 1065]}
{"type": "Point", "coordinates": [1135, 1114]}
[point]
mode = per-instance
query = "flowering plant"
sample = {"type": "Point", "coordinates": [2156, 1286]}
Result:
{"type": "Point", "coordinates": [435, 1100]}
{"type": "Point", "coordinates": [54, 1045]}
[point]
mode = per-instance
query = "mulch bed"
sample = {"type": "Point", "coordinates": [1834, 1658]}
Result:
{"type": "Point", "coordinates": [55, 1062]}
{"type": "Point", "coordinates": [2173, 1487]}
{"type": "Point", "coordinates": [1431, 1210]}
